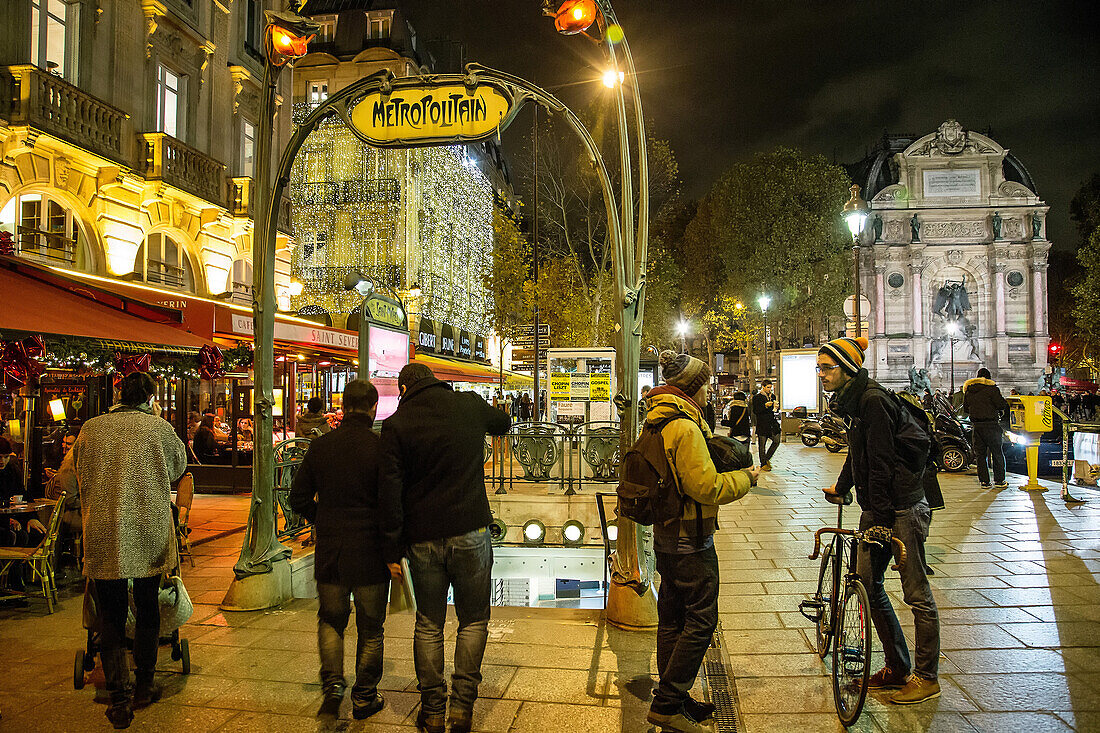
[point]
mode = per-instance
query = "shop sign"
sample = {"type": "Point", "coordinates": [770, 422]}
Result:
{"type": "Point", "coordinates": [479, 348]}
{"type": "Point", "coordinates": [426, 339]}
{"type": "Point", "coordinates": [447, 340]}
{"type": "Point", "coordinates": [386, 310]}
{"type": "Point", "coordinates": [465, 347]}
{"type": "Point", "coordinates": [243, 324]}
{"type": "Point", "coordinates": [416, 112]}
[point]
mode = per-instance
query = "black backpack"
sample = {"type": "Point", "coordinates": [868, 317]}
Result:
{"type": "Point", "coordinates": [913, 434]}
{"type": "Point", "coordinates": [647, 490]}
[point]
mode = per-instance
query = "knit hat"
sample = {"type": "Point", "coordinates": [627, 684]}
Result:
{"type": "Point", "coordinates": [847, 352]}
{"type": "Point", "coordinates": [684, 371]}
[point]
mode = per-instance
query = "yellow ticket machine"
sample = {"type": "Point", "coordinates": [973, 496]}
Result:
{"type": "Point", "coordinates": [1030, 417]}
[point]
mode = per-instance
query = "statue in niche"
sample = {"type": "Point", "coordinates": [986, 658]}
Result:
{"type": "Point", "coordinates": [919, 380]}
{"type": "Point", "coordinates": [997, 222]}
{"type": "Point", "coordinates": [950, 309]}
{"type": "Point", "coordinates": [1036, 227]}
{"type": "Point", "coordinates": [877, 226]}
{"type": "Point", "coordinates": [914, 228]}
{"type": "Point", "coordinates": [952, 301]}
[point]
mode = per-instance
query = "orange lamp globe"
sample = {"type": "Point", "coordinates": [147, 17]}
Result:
{"type": "Point", "coordinates": [575, 16]}
{"type": "Point", "coordinates": [288, 45]}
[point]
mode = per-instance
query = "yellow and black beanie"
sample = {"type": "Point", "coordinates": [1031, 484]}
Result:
{"type": "Point", "coordinates": [847, 352]}
{"type": "Point", "coordinates": [684, 371]}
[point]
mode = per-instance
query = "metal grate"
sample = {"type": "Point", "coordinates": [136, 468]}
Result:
{"type": "Point", "coordinates": [720, 687]}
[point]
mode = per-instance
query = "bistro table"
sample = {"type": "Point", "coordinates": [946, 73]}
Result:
{"type": "Point", "coordinates": [27, 507]}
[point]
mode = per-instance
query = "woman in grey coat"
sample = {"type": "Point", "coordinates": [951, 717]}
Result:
{"type": "Point", "coordinates": [125, 462]}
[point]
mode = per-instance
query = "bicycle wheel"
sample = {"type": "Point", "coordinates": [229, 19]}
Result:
{"type": "Point", "coordinates": [852, 653]}
{"type": "Point", "coordinates": [826, 590]}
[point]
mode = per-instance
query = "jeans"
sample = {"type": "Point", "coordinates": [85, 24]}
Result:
{"type": "Point", "coordinates": [766, 455]}
{"type": "Point", "coordinates": [112, 602]}
{"type": "Point", "coordinates": [464, 562]}
{"type": "Point", "coordinates": [989, 438]}
{"type": "Point", "coordinates": [332, 619]}
{"type": "Point", "coordinates": [911, 527]}
{"type": "Point", "coordinates": [687, 615]}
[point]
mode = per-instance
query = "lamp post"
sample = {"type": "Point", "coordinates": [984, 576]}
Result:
{"type": "Point", "coordinates": [682, 328]}
{"type": "Point", "coordinates": [764, 302]}
{"type": "Point", "coordinates": [262, 573]}
{"type": "Point", "coordinates": [855, 216]}
{"type": "Point", "coordinates": [952, 332]}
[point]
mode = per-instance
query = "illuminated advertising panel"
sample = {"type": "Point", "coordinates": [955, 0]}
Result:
{"type": "Point", "coordinates": [389, 351]}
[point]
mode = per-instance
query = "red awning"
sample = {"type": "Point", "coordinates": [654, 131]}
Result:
{"type": "Point", "coordinates": [34, 306]}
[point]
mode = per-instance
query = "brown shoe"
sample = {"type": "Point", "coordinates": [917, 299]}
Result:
{"type": "Point", "coordinates": [766, 467]}
{"type": "Point", "coordinates": [916, 690]}
{"type": "Point", "coordinates": [886, 679]}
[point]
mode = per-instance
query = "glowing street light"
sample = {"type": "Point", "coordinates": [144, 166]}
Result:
{"type": "Point", "coordinates": [611, 77]}
{"type": "Point", "coordinates": [764, 301]}
{"type": "Point", "coordinates": [855, 216]}
{"type": "Point", "coordinates": [683, 328]}
{"type": "Point", "coordinates": [575, 16]}
{"type": "Point", "coordinates": [952, 332]}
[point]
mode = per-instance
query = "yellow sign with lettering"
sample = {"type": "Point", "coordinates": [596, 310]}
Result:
{"type": "Point", "coordinates": [560, 387]}
{"type": "Point", "coordinates": [599, 387]}
{"type": "Point", "coordinates": [430, 113]}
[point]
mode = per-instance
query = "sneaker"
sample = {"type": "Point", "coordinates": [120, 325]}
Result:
{"type": "Point", "coordinates": [1001, 485]}
{"type": "Point", "coordinates": [985, 487]}
{"type": "Point", "coordinates": [928, 570]}
{"type": "Point", "coordinates": [330, 708]}
{"type": "Point", "coordinates": [362, 711]}
{"type": "Point", "coordinates": [766, 467]}
{"type": "Point", "coordinates": [121, 714]}
{"type": "Point", "coordinates": [886, 679]}
{"type": "Point", "coordinates": [676, 723]}
{"type": "Point", "coordinates": [430, 722]}
{"type": "Point", "coordinates": [460, 723]}
{"type": "Point", "coordinates": [702, 712]}
{"type": "Point", "coordinates": [916, 690]}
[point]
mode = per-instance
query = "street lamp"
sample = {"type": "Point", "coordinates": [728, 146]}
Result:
{"type": "Point", "coordinates": [855, 216]}
{"type": "Point", "coordinates": [611, 77]}
{"type": "Point", "coordinates": [683, 328]}
{"type": "Point", "coordinates": [952, 332]}
{"type": "Point", "coordinates": [764, 302]}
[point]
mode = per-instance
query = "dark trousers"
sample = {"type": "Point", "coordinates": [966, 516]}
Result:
{"type": "Point", "coordinates": [332, 618]}
{"type": "Point", "coordinates": [687, 615]}
{"type": "Point", "coordinates": [989, 438]}
{"type": "Point", "coordinates": [761, 441]}
{"type": "Point", "coordinates": [112, 602]}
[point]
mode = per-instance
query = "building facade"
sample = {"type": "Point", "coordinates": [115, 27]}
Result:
{"type": "Point", "coordinates": [127, 131]}
{"type": "Point", "coordinates": [953, 260]}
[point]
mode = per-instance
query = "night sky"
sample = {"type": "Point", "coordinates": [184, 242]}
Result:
{"type": "Point", "coordinates": [725, 80]}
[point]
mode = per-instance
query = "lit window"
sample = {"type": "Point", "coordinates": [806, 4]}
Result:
{"type": "Point", "coordinates": [50, 20]}
{"type": "Point", "coordinates": [327, 32]}
{"type": "Point", "coordinates": [161, 260]}
{"type": "Point", "coordinates": [248, 147]}
{"type": "Point", "coordinates": [169, 85]}
{"type": "Point", "coordinates": [45, 229]}
{"type": "Point", "coordinates": [380, 28]}
{"type": "Point", "coordinates": [318, 92]}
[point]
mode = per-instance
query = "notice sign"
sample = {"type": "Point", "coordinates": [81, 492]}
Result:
{"type": "Point", "coordinates": [559, 387]}
{"type": "Point", "coordinates": [430, 113]}
{"type": "Point", "coordinates": [953, 182]}
{"type": "Point", "coordinates": [599, 387]}
{"type": "Point", "coordinates": [578, 387]}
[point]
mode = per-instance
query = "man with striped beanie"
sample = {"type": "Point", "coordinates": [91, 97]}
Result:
{"type": "Point", "coordinates": [894, 505]}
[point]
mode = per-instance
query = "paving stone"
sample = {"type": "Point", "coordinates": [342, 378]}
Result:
{"type": "Point", "coordinates": [557, 685]}
{"type": "Point", "coordinates": [1031, 722]}
{"type": "Point", "coordinates": [1029, 692]}
{"type": "Point", "coordinates": [805, 723]}
{"type": "Point", "coordinates": [991, 661]}
{"type": "Point", "coordinates": [540, 717]}
{"type": "Point", "coordinates": [924, 717]}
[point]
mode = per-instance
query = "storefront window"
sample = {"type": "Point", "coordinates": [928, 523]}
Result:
{"type": "Point", "coordinates": [45, 229]}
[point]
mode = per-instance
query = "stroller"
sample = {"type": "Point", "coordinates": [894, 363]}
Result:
{"type": "Point", "coordinates": [175, 610]}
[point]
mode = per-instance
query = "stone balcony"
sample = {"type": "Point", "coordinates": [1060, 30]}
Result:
{"type": "Point", "coordinates": [240, 203]}
{"type": "Point", "coordinates": [50, 104]}
{"type": "Point", "coordinates": [164, 158]}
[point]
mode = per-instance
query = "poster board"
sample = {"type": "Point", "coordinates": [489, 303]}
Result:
{"type": "Point", "coordinates": [799, 385]}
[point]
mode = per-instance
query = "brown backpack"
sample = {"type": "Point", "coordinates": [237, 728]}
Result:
{"type": "Point", "coordinates": [647, 490]}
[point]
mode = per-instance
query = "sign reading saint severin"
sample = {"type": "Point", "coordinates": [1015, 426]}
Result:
{"type": "Point", "coordinates": [423, 113]}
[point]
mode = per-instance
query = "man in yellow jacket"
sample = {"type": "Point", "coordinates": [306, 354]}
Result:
{"type": "Point", "coordinates": [687, 601]}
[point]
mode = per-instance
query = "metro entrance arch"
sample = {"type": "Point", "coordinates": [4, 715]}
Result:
{"type": "Point", "coordinates": [442, 109]}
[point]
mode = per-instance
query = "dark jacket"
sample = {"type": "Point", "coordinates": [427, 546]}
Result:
{"type": "Point", "coordinates": [433, 476]}
{"type": "Point", "coordinates": [766, 424]}
{"type": "Point", "coordinates": [738, 419]}
{"type": "Point", "coordinates": [982, 400]}
{"type": "Point", "coordinates": [206, 445]}
{"type": "Point", "coordinates": [342, 468]}
{"type": "Point", "coordinates": [11, 481]}
{"type": "Point", "coordinates": [882, 482]}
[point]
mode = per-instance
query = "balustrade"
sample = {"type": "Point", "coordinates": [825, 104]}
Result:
{"type": "Point", "coordinates": [167, 159]}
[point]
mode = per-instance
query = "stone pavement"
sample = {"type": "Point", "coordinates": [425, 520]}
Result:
{"type": "Point", "coordinates": [1016, 581]}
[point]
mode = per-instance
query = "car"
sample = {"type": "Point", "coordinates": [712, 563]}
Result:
{"type": "Point", "coordinates": [1050, 450]}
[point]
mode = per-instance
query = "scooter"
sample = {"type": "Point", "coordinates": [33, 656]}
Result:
{"type": "Point", "coordinates": [829, 430]}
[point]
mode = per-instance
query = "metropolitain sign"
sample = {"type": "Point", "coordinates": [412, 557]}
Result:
{"type": "Point", "coordinates": [416, 112]}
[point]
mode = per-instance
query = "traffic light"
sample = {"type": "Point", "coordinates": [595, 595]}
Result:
{"type": "Point", "coordinates": [1055, 351]}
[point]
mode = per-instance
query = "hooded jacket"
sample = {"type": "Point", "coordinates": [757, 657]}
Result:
{"type": "Point", "coordinates": [982, 400]}
{"type": "Point", "coordinates": [882, 482]}
{"type": "Point", "coordinates": [685, 443]}
{"type": "Point", "coordinates": [307, 422]}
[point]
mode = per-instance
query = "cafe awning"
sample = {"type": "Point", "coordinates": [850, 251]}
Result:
{"type": "Point", "coordinates": [451, 370]}
{"type": "Point", "coordinates": [32, 305]}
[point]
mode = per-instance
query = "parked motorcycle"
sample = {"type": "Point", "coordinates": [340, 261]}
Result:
{"type": "Point", "coordinates": [829, 430]}
{"type": "Point", "coordinates": [955, 450]}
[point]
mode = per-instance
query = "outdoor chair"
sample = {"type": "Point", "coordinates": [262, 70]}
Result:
{"type": "Point", "coordinates": [40, 558]}
{"type": "Point", "coordinates": [185, 495]}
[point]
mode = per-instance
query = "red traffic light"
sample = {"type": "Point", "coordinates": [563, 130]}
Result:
{"type": "Point", "coordinates": [575, 16]}
{"type": "Point", "coordinates": [1055, 348]}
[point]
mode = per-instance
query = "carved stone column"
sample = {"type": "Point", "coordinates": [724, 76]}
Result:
{"type": "Point", "coordinates": [999, 294]}
{"type": "Point", "coordinates": [880, 300]}
{"type": "Point", "coordinates": [1038, 298]}
{"type": "Point", "coordinates": [915, 270]}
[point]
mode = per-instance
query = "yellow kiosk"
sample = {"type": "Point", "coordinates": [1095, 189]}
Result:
{"type": "Point", "coordinates": [1031, 417]}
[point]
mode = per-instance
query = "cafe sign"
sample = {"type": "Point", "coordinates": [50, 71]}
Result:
{"type": "Point", "coordinates": [416, 112]}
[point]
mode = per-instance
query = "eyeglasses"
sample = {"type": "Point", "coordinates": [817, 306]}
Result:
{"type": "Point", "coordinates": [824, 369]}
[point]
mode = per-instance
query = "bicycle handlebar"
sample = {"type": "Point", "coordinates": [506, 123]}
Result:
{"type": "Point", "coordinates": [899, 547]}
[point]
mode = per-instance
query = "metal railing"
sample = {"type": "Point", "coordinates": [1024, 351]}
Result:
{"type": "Point", "coordinates": [554, 456]}
{"type": "Point", "coordinates": [288, 457]}
{"type": "Point", "coordinates": [52, 246]}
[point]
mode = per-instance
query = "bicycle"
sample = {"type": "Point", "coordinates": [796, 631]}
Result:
{"type": "Point", "coordinates": [844, 619]}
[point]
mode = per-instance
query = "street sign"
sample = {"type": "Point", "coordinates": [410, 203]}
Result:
{"type": "Point", "coordinates": [528, 330]}
{"type": "Point", "coordinates": [528, 342]}
{"type": "Point", "coordinates": [850, 306]}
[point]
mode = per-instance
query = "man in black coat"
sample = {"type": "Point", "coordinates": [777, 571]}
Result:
{"type": "Point", "coordinates": [893, 502]}
{"type": "Point", "coordinates": [436, 512]}
{"type": "Point", "coordinates": [336, 488]}
{"type": "Point", "coordinates": [767, 427]}
{"type": "Point", "coordinates": [983, 401]}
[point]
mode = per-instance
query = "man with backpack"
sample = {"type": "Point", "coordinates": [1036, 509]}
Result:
{"type": "Point", "coordinates": [687, 601]}
{"type": "Point", "coordinates": [887, 452]}
{"type": "Point", "coordinates": [983, 401]}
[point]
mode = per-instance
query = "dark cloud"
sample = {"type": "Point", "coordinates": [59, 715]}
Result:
{"type": "Point", "coordinates": [725, 80]}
